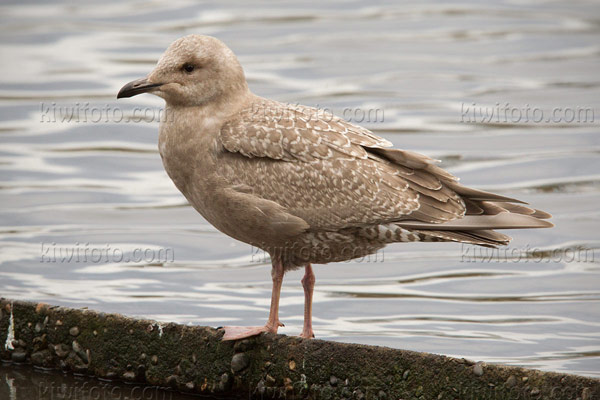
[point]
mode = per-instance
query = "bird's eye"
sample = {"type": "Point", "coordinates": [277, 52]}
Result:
{"type": "Point", "coordinates": [189, 68]}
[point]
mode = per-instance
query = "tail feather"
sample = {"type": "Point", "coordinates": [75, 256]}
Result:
{"type": "Point", "coordinates": [503, 220]}
{"type": "Point", "coordinates": [475, 194]}
{"type": "Point", "coordinates": [485, 238]}
{"type": "Point", "coordinates": [449, 211]}
{"type": "Point", "coordinates": [517, 208]}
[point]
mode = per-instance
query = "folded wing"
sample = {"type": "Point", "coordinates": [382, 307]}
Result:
{"type": "Point", "coordinates": [335, 175]}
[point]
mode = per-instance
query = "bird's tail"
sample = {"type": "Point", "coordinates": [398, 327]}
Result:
{"type": "Point", "coordinates": [484, 213]}
{"type": "Point", "coordinates": [480, 212]}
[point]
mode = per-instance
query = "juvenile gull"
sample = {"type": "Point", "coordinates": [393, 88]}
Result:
{"type": "Point", "coordinates": [303, 185]}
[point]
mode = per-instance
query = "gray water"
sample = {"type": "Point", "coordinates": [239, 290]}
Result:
{"type": "Point", "coordinates": [24, 383]}
{"type": "Point", "coordinates": [98, 187]}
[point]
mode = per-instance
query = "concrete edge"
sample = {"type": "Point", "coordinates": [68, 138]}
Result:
{"type": "Point", "coordinates": [193, 359]}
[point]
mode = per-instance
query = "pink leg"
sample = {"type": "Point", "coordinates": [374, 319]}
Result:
{"type": "Point", "coordinates": [308, 283]}
{"type": "Point", "coordinates": [277, 275]}
{"type": "Point", "coordinates": [240, 332]}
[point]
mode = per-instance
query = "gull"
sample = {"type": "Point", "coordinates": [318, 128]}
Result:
{"type": "Point", "coordinates": [302, 184]}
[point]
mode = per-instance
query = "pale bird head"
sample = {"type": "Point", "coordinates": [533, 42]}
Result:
{"type": "Point", "coordinates": [193, 71]}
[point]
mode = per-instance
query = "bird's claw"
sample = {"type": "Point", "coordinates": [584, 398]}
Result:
{"type": "Point", "coordinates": [307, 335]}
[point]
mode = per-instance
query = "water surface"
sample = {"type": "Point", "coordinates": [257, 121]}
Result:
{"type": "Point", "coordinates": [25, 383]}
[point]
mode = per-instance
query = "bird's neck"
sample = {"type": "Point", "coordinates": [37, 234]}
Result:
{"type": "Point", "coordinates": [220, 107]}
{"type": "Point", "coordinates": [189, 135]}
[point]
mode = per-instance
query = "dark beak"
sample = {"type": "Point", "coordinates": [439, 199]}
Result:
{"type": "Point", "coordinates": [136, 87]}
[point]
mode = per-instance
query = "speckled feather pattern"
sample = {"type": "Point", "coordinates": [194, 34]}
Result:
{"type": "Point", "coordinates": [318, 167]}
{"type": "Point", "coordinates": [300, 183]}
{"type": "Point", "coordinates": [295, 133]}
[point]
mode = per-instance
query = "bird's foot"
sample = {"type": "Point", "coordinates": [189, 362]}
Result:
{"type": "Point", "coordinates": [242, 332]}
{"type": "Point", "coordinates": [307, 334]}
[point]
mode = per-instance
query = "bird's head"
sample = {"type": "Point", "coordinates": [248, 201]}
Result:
{"type": "Point", "coordinates": [194, 70]}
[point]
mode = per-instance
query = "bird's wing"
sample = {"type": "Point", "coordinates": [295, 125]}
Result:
{"type": "Point", "coordinates": [333, 174]}
{"type": "Point", "coordinates": [295, 133]}
{"type": "Point", "coordinates": [323, 169]}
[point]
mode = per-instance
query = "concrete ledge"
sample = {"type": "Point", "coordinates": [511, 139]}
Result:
{"type": "Point", "coordinates": [193, 359]}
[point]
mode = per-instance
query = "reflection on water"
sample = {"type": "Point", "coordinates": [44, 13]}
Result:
{"type": "Point", "coordinates": [25, 383]}
{"type": "Point", "coordinates": [100, 185]}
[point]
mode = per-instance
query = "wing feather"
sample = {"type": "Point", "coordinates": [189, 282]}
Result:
{"type": "Point", "coordinates": [335, 175]}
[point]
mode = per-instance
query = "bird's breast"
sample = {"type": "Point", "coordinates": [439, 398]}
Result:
{"type": "Point", "coordinates": [188, 155]}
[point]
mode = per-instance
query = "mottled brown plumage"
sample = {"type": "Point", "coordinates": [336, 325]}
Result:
{"type": "Point", "coordinates": [302, 184]}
